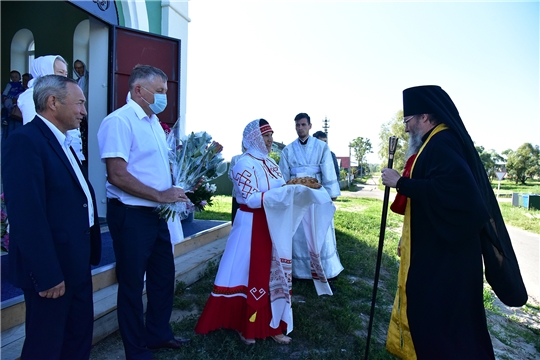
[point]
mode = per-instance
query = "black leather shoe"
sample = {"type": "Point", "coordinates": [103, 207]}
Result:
{"type": "Point", "coordinates": [175, 343]}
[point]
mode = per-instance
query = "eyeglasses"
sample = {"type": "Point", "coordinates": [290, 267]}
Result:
{"type": "Point", "coordinates": [407, 119]}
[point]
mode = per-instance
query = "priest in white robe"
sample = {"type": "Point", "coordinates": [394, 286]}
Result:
{"type": "Point", "coordinates": [307, 156]}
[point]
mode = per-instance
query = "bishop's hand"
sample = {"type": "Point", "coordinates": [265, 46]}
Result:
{"type": "Point", "coordinates": [390, 177]}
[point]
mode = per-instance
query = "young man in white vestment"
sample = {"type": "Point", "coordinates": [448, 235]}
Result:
{"type": "Point", "coordinates": [309, 157]}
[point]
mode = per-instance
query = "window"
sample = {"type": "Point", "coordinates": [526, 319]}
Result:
{"type": "Point", "coordinates": [22, 51]}
{"type": "Point", "coordinates": [30, 55]}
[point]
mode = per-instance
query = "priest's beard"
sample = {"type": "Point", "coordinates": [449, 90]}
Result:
{"type": "Point", "coordinates": [415, 143]}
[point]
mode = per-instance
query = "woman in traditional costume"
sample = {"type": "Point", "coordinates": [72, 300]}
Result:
{"type": "Point", "coordinates": [240, 299]}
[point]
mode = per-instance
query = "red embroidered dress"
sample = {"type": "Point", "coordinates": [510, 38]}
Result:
{"type": "Point", "coordinates": [240, 297]}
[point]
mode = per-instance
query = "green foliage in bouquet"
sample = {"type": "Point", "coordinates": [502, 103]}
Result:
{"type": "Point", "coordinates": [202, 197]}
{"type": "Point", "coordinates": [192, 157]}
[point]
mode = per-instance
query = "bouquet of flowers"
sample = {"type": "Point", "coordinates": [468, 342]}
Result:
{"type": "Point", "coordinates": [201, 197]}
{"type": "Point", "coordinates": [3, 231]}
{"type": "Point", "coordinates": [192, 157]}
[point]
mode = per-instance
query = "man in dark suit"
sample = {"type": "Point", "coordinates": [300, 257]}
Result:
{"type": "Point", "coordinates": [54, 227]}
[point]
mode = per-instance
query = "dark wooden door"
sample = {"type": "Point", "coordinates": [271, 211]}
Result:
{"type": "Point", "coordinates": [131, 47]}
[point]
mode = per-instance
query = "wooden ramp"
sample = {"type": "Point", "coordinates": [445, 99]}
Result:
{"type": "Point", "coordinates": [191, 258]}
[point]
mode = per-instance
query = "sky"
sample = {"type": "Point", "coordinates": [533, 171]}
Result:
{"type": "Point", "coordinates": [350, 61]}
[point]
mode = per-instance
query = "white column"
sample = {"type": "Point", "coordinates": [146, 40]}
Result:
{"type": "Point", "coordinates": [174, 23]}
{"type": "Point", "coordinates": [98, 55]}
{"type": "Point", "coordinates": [135, 14]}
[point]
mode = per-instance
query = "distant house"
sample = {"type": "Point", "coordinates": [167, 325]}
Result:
{"type": "Point", "coordinates": [345, 161]}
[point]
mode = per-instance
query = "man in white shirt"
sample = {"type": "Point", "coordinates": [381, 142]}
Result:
{"type": "Point", "coordinates": [309, 157]}
{"type": "Point", "coordinates": [132, 144]}
{"type": "Point", "coordinates": [54, 227]}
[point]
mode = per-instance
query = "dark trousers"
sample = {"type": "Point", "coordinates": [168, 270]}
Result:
{"type": "Point", "coordinates": [142, 244]}
{"type": "Point", "coordinates": [59, 328]}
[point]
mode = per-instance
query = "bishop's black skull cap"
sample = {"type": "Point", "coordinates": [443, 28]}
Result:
{"type": "Point", "coordinates": [426, 99]}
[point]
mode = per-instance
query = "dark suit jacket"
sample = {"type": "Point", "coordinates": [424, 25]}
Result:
{"type": "Point", "coordinates": [50, 240]}
{"type": "Point", "coordinates": [336, 165]}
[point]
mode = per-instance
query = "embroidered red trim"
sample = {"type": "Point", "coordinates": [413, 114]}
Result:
{"type": "Point", "coordinates": [266, 129]}
{"type": "Point", "coordinates": [220, 290]}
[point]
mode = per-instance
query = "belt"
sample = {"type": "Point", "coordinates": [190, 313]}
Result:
{"type": "Point", "coordinates": [308, 169]}
{"type": "Point", "coordinates": [117, 202]}
{"type": "Point", "coordinates": [245, 208]}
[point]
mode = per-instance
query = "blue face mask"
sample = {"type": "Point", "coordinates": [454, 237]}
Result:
{"type": "Point", "coordinates": [160, 102]}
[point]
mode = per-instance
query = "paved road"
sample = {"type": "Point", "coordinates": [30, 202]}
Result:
{"type": "Point", "coordinates": [526, 244]}
{"type": "Point", "coordinates": [527, 249]}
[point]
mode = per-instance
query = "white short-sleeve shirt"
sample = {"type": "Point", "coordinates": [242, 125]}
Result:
{"type": "Point", "coordinates": [128, 133]}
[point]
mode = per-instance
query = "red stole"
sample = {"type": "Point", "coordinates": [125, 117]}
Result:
{"type": "Point", "coordinates": [400, 201]}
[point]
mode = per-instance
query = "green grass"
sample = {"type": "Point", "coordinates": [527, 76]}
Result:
{"type": "Point", "coordinates": [489, 300]}
{"type": "Point", "coordinates": [328, 327]}
{"type": "Point", "coordinates": [509, 186]}
{"type": "Point", "coordinates": [219, 210]}
{"type": "Point", "coordinates": [520, 217]}
{"type": "Point", "coordinates": [325, 327]}
{"type": "Point", "coordinates": [515, 216]}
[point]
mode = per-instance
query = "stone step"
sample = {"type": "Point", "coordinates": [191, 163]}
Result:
{"type": "Point", "coordinates": [191, 258]}
{"type": "Point", "coordinates": [189, 268]}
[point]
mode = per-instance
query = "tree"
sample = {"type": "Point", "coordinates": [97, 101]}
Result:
{"type": "Point", "coordinates": [276, 156]}
{"type": "Point", "coordinates": [491, 160]}
{"type": "Point", "coordinates": [394, 127]}
{"type": "Point", "coordinates": [499, 160]}
{"type": "Point", "coordinates": [485, 158]}
{"type": "Point", "coordinates": [361, 148]}
{"type": "Point", "coordinates": [524, 162]}
{"type": "Point", "coordinates": [507, 152]}
{"type": "Point", "coordinates": [374, 168]}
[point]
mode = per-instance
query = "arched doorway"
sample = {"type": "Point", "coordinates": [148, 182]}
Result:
{"type": "Point", "coordinates": [22, 51]}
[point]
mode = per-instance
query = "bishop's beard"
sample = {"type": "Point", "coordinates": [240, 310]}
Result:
{"type": "Point", "coordinates": [415, 143]}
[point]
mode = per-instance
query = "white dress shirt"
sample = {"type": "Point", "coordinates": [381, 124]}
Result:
{"type": "Point", "coordinates": [74, 164]}
{"type": "Point", "coordinates": [128, 133]}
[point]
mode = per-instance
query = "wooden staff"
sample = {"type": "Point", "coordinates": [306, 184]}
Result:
{"type": "Point", "coordinates": [392, 143]}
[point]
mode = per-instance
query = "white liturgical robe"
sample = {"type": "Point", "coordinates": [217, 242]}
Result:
{"type": "Point", "coordinates": [315, 160]}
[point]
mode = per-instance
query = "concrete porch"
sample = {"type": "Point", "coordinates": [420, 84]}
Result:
{"type": "Point", "coordinates": [191, 257]}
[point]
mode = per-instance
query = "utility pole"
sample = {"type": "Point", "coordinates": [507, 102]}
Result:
{"type": "Point", "coordinates": [326, 126]}
{"type": "Point", "coordinates": [349, 170]}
